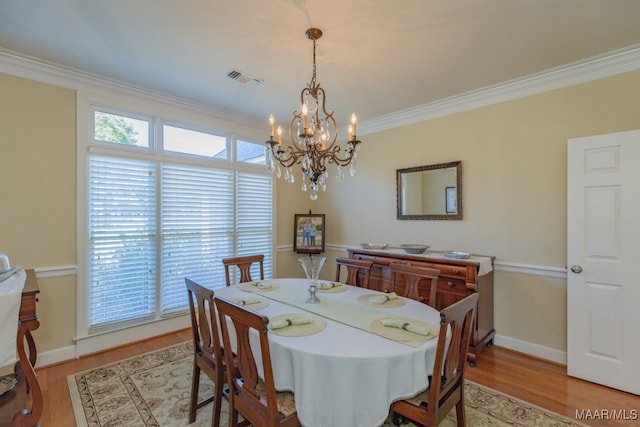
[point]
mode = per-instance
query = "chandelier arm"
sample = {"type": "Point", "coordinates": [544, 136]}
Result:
{"type": "Point", "coordinates": [292, 156]}
{"type": "Point", "coordinates": [324, 107]}
{"type": "Point", "coordinates": [328, 116]}
{"type": "Point", "coordinates": [333, 155]}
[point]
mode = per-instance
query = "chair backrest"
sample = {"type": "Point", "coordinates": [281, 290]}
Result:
{"type": "Point", "coordinates": [258, 407]}
{"type": "Point", "coordinates": [413, 275]}
{"type": "Point", "coordinates": [244, 265]}
{"type": "Point", "coordinates": [451, 359]}
{"type": "Point", "coordinates": [204, 325]}
{"type": "Point", "coordinates": [354, 267]}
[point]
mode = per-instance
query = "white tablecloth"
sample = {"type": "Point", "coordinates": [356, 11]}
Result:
{"type": "Point", "coordinates": [345, 376]}
{"type": "Point", "coordinates": [10, 297]}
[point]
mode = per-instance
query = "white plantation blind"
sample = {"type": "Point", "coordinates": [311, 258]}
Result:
{"type": "Point", "coordinates": [254, 209]}
{"type": "Point", "coordinates": [197, 229]}
{"type": "Point", "coordinates": [122, 235]}
{"type": "Point", "coordinates": [148, 234]}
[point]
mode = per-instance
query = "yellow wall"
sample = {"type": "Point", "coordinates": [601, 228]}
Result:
{"type": "Point", "coordinates": [514, 179]}
{"type": "Point", "coordinates": [38, 195]}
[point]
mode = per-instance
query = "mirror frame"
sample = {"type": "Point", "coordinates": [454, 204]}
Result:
{"type": "Point", "coordinates": [456, 216]}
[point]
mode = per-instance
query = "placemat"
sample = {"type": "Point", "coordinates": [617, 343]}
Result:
{"type": "Point", "coordinates": [253, 287]}
{"type": "Point", "coordinates": [398, 334]}
{"type": "Point", "coordinates": [318, 325]}
{"type": "Point", "coordinates": [396, 302]}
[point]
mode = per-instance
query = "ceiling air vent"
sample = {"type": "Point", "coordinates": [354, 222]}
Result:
{"type": "Point", "coordinates": [245, 78]}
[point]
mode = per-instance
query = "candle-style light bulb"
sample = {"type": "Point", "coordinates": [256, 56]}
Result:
{"type": "Point", "coordinates": [350, 132]}
{"type": "Point", "coordinates": [279, 135]}
{"type": "Point", "coordinates": [305, 118]}
{"type": "Point", "coordinates": [271, 124]}
{"type": "Point", "coordinates": [353, 125]}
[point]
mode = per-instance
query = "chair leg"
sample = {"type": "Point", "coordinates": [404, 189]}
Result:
{"type": "Point", "coordinates": [195, 387]}
{"type": "Point", "coordinates": [217, 401]}
{"type": "Point", "coordinates": [233, 416]}
{"type": "Point", "coordinates": [460, 416]}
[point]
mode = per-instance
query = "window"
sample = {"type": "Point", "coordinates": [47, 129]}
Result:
{"type": "Point", "coordinates": [158, 216]}
{"type": "Point", "coordinates": [118, 129]}
{"type": "Point", "coordinates": [193, 142]}
{"type": "Point", "coordinates": [250, 153]}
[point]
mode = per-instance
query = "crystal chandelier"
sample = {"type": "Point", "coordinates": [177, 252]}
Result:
{"type": "Point", "coordinates": [313, 133]}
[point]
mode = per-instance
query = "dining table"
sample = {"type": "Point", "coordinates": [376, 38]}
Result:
{"type": "Point", "coordinates": [355, 351]}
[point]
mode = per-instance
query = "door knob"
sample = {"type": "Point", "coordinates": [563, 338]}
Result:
{"type": "Point", "coordinates": [576, 269]}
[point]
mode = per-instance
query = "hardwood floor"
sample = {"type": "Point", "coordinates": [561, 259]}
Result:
{"type": "Point", "coordinates": [547, 385]}
{"type": "Point", "coordinates": [537, 381]}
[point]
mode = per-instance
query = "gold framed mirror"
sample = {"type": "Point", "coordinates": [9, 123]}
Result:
{"type": "Point", "coordinates": [431, 192]}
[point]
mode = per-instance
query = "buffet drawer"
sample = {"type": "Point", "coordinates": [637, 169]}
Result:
{"type": "Point", "coordinates": [454, 271]}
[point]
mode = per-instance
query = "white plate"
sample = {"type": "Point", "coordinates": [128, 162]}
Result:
{"type": "Point", "coordinates": [374, 245]}
{"type": "Point", "coordinates": [457, 255]}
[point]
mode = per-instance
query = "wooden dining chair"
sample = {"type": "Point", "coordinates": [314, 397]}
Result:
{"type": "Point", "coordinates": [358, 271]}
{"type": "Point", "coordinates": [207, 353]}
{"type": "Point", "coordinates": [413, 275]}
{"type": "Point", "coordinates": [244, 264]}
{"type": "Point", "coordinates": [255, 399]}
{"type": "Point", "coordinates": [446, 385]}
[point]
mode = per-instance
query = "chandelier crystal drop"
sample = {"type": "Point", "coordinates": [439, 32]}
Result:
{"type": "Point", "coordinates": [313, 133]}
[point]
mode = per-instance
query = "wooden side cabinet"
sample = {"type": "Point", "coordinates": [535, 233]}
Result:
{"type": "Point", "coordinates": [458, 278]}
{"type": "Point", "coordinates": [22, 405]}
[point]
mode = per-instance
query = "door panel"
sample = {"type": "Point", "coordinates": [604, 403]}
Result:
{"type": "Point", "coordinates": [605, 320]}
{"type": "Point", "coordinates": [603, 249]}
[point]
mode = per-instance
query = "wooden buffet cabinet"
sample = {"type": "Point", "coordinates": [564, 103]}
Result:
{"type": "Point", "coordinates": [22, 405]}
{"type": "Point", "coordinates": [458, 278]}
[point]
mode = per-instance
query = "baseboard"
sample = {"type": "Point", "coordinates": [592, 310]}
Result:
{"type": "Point", "coordinates": [531, 349]}
{"type": "Point", "coordinates": [58, 355]}
{"type": "Point", "coordinates": [110, 340]}
{"type": "Point", "coordinates": [106, 340]}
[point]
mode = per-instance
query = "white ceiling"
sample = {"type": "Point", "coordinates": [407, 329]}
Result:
{"type": "Point", "coordinates": [376, 57]}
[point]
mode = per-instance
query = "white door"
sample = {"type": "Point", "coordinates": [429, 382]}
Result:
{"type": "Point", "coordinates": [603, 256]}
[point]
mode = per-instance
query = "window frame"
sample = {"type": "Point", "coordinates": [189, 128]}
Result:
{"type": "Point", "coordinates": [172, 115]}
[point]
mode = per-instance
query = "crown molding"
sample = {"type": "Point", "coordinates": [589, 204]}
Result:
{"type": "Point", "coordinates": [32, 68]}
{"type": "Point", "coordinates": [610, 64]}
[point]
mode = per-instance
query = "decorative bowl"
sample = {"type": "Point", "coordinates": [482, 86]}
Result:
{"type": "Point", "coordinates": [414, 248]}
{"type": "Point", "coordinates": [457, 255]}
{"type": "Point", "coordinates": [374, 245]}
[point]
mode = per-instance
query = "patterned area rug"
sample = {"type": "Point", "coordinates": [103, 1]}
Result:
{"type": "Point", "coordinates": [153, 390]}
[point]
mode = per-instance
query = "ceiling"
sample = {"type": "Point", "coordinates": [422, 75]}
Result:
{"type": "Point", "coordinates": [376, 57]}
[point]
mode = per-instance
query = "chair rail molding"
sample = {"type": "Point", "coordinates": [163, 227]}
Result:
{"type": "Point", "coordinates": [498, 265]}
{"type": "Point", "coordinates": [56, 271]}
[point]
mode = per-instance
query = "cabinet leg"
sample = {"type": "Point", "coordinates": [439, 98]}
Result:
{"type": "Point", "coordinates": [471, 358]}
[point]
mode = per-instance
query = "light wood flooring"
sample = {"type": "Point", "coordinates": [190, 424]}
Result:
{"type": "Point", "coordinates": [537, 381]}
